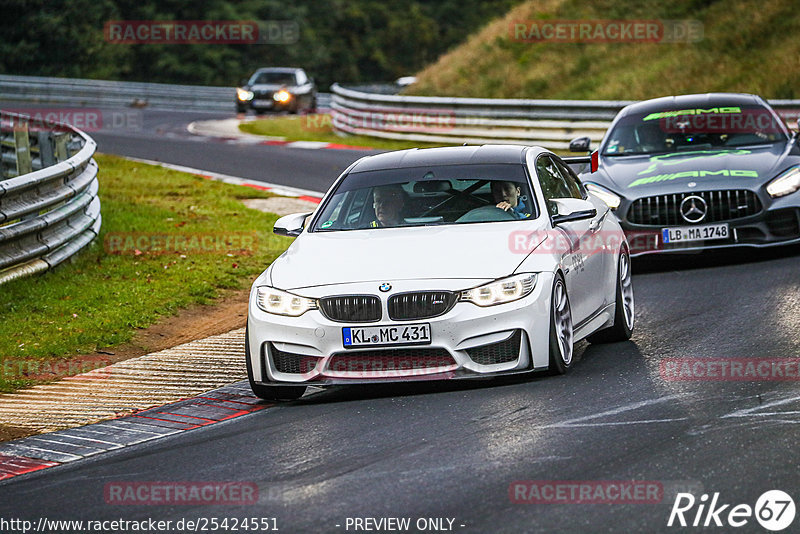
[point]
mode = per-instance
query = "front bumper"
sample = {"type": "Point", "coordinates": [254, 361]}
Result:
{"type": "Point", "coordinates": [466, 342]}
{"type": "Point", "coordinates": [778, 223]}
{"type": "Point", "coordinates": [265, 105]}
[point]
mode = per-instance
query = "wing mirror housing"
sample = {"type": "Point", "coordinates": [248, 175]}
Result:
{"type": "Point", "coordinates": [580, 144]}
{"type": "Point", "coordinates": [290, 225]}
{"type": "Point", "coordinates": [572, 209]}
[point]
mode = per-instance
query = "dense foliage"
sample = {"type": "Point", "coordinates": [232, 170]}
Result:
{"type": "Point", "coordinates": [339, 40]}
{"type": "Point", "coordinates": [747, 46]}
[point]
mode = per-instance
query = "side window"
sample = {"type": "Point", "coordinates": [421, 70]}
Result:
{"type": "Point", "coordinates": [574, 184]}
{"type": "Point", "coordinates": [553, 183]}
{"type": "Point", "coordinates": [357, 210]}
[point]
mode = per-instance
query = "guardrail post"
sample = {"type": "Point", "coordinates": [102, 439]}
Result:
{"type": "Point", "coordinates": [46, 151]}
{"type": "Point", "coordinates": [22, 147]}
{"type": "Point", "coordinates": [60, 144]}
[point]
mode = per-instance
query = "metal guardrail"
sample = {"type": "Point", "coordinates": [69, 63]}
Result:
{"type": "Point", "coordinates": [550, 123]}
{"type": "Point", "coordinates": [103, 93]}
{"type": "Point", "coordinates": [49, 208]}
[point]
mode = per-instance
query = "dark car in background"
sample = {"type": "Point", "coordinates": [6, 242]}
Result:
{"type": "Point", "coordinates": [693, 172]}
{"type": "Point", "coordinates": [277, 89]}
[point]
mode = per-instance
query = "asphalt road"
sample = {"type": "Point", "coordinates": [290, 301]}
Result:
{"type": "Point", "coordinates": [453, 450]}
{"type": "Point", "coordinates": [162, 136]}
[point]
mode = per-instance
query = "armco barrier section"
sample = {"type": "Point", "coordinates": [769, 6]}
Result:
{"type": "Point", "coordinates": [49, 208]}
{"type": "Point", "coordinates": [103, 93]}
{"type": "Point", "coordinates": [550, 123]}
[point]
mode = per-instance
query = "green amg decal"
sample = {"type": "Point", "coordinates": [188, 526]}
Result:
{"type": "Point", "coordinates": [693, 174]}
{"type": "Point", "coordinates": [680, 157]}
{"type": "Point", "coordinates": [698, 111]}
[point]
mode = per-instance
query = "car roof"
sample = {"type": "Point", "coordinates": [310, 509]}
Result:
{"type": "Point", "coordinates": [279, 69]}
{"type": "Point", "coordinates": [456, 155]}
{"type": "Point", "coordinates": [707, 100]}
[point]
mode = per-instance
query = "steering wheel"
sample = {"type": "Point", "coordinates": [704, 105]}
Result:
{"type": "Point", "coordinates": [486, 214]}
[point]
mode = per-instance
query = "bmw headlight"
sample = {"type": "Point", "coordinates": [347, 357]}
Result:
{"type": "Point", "coordinates": [500, 291]}
{"type": "Point", "coordinates": [243, 94]}
{"type": "Point", "coordinates": [279, 302]}
{"type": "Point", "coordinates": [787, 183]}
{"type": "Point", "coordinates": [603, 194]}
{"type": "Point", "coordinates": [282, 96]}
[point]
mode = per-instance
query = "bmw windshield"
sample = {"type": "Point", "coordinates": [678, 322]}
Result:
{"type": "Point", "coordinates": [273, 78]}
{"type": "Point", "coordinates": [421, 196]}
{"type": "Point", "coordinates": [660, 132]}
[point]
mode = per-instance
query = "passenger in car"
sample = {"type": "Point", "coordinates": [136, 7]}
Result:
{"type": "Point", "coordinates": [508, 198]}
{"type": "Point", "coordinates": [388, 202]}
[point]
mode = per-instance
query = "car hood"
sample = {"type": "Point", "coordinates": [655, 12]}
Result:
{"type": "Point", "coordinates": [481, 250]}
{"type": "Point", "coordinates": [262, 87]}
{"type": "Point", "coordinates": [745, 167]}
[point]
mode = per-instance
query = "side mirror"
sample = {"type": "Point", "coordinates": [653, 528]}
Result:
{"type": "Point", "coordinates": [572, 209]}
{"type": "Point", "coordinates": [290, 225]}
{"type": "Point", "coordinates": [580, 144]}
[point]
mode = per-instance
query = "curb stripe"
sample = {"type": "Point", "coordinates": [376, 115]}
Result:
{"type": "Point", "coordinates": [11, 466]}
{"type": "Point", "coordinates": [42, 451]}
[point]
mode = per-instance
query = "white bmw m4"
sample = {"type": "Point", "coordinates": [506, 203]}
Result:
{"type": "Point", "coordinates": [441, 263]}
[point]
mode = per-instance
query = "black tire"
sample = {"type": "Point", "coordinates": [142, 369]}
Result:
{"type": "Point", "coordinates": [558, 363]}
{"type": "Point", "coordinates": [272, 393]}
{"type": "Point", "coordinates": [620, 330]}
{"type": "Point", "coordinates": [241, 109]}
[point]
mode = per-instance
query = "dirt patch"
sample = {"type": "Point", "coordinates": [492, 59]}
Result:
{"type": "Point", "coordinates": [8, 432]}
{"type": "Point", "coordinates": [192, 323]}
{"type": "Point", "coordinates": [195, 322]}
{"type": "Point", "coordinates": [280, 205]}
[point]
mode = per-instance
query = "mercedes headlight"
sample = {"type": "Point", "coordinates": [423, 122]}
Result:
{"type": "Point", "coordinates": [282, 96]}
{"type": "Point", "coordinates": [603, 194]}
{"type": "Point", "coordinates": [243, 94]}
{"type": "Point", "coordinates": [279, 302]}
{"type": "Point", "coordinates": [500, 291]}
{"type": "Point", "coordinates": [787, 183]}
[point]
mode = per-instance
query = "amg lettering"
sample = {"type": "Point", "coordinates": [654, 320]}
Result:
{"type": "Point", "coordinates": [698, 111]}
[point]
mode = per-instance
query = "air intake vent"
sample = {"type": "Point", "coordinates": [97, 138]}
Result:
{"type": "Point", "coordinates": [391, 361]}
{"type": "Point", "coordinates": [420, 305]}
{"type": "Point", "coordinates": [288, 362]}
{"type": "Point", "coordinates": [352, 308]}
{"type": "Point", "coordinates": [500, 352]}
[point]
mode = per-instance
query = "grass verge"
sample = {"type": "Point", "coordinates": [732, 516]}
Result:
{"type": "Point", "coordinates": [745, 46]}
{"type": "Point", "coordinates": [209, 242]}
{"type": "Point", "coordinates": [318, 128]}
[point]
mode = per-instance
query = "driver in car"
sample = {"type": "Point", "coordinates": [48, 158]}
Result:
{"type": "Point", "coordinates": [507, 196]}
{"type": "Point", "coordinates": [388, 202]}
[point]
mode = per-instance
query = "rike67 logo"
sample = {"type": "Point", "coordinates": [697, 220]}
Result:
{"type": "Point", "coordinates": [774, 510]}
